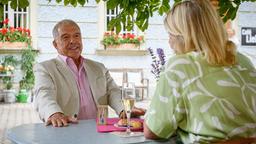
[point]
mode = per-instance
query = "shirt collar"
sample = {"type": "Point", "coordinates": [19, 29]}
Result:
{"type": "Point", "coordinates": [66, 59]}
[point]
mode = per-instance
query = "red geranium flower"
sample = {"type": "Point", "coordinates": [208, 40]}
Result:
{"type": "Point", "coordinates": [6, 21]}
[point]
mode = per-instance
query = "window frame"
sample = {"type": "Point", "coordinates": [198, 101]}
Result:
{"type": "Point", "coordinates": [16, 17]}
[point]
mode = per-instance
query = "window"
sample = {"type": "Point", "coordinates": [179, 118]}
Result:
{"type": "Point", "coordinates": [110, 14]}
{"type": "Point", "coordinates": [18, 17]}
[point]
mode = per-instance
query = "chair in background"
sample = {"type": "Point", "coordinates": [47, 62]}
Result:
{"type": "Point", "coordinates": [125, 75]}
{"type": "Point", "coordinates": [141, 84]}
{"type": "Point", "coordinates": [118, 75]}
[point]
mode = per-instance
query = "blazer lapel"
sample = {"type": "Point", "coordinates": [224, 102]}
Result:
{"type": "Point", "coordinates": [92, 76]}
{"type": "Point", "coordinates": [67, 74]}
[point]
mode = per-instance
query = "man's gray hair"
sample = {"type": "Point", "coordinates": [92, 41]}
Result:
{"type": "Point", "coordinates": [55, 32]}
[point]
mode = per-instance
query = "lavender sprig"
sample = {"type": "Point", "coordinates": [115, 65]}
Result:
{"type": "Point", "coordinates": [157, 62]}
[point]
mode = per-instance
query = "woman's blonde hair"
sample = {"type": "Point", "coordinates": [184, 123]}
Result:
{"type": "Point", "coordinates": [196, 26]}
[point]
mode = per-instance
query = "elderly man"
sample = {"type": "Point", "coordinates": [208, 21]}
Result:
{"type": "Point", "coordinates": [71, 86]}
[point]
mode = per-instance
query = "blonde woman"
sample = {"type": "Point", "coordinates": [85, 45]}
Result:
{"type": "Point", "coordinates": [207, 92]}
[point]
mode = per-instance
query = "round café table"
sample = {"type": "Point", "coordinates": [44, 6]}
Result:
{"type": "Point", "coordinates": [82, 133]}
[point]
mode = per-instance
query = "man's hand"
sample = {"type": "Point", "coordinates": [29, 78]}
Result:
{"type": "Point", "coordinates": [59, 119]}
{"type": "Point", "coordinates": [136, 112]}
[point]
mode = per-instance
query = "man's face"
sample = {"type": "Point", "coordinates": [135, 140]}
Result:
{"type": "Point", "coordinates": [69, 41]}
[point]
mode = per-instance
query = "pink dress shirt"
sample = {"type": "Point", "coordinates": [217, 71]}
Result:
{"type": "Point", "coordinates": [88, 109]}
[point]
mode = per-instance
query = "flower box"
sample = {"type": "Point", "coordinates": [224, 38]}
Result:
{"type": "Point", "coordinates": [14, 45]}
{"type": "Point", "coordinates": [125, 41]}
{"type": "Point", "coordinates": [126, 46]}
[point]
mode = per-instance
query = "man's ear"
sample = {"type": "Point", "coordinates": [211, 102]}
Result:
{"type": "Point", "coordinates": [54, 44]}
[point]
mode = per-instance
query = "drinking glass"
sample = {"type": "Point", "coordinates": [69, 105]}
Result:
{"type": "Point", "coordinates": [128, 99]}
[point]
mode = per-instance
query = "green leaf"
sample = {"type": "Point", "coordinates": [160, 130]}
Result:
{"type": "Point", "coordinates": [14, 4]}
{"type": "Point", "coordinates": [161, 11]}
{"type": "Point", "coordinates": [4, 1]}
{"type": "Point", "coordinates": [73, 3]}
{"type": "Point", "coordinates": [66, 2]}
{"type": "Point", "coordinates": [23, 3]}
{"type": "Point", "coordinates": [58, 1]}
{"type": "Point", "coordinates": [1, 13]}
{"type": "Point", "coordinates": [97, 1]}
{"type": "Point", "coordinates": [118, 27]}
{"type": "Point", "coordinates": [112, 4]}
{"type": "Point", "coordinates": [81, 2]}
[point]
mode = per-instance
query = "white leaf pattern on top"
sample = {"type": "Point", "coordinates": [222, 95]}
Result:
{"type": "Point", "coordinates": [175, 92]}
{"type": "Point", "coordinates": [254, 104]}
{"type": "Point", "coordinates": [227, 83]}
{"type": "Point", "coordinates": [206, 106]}
{"type": "Point", "coordinates": [163, 99]}
{"type": "Point", "coordinates": [193, 94]}
{"type": "Point", "coordinates": [172, 83]}
{"type": "Point", "coordinates": [177, 62]}
{"type": "Point", "coordinates": [189, 81]}
{"type": "Point", "coordinates": [252, 74]}
{"type": "Point", "coordinates": [180, 74]}
{"type": "Point", "coordinates": [242, 129]}
{"type": "Point", "coordinates": [197, 125]}
{"type": "Point", "coordinates": [180, 110]}
{"type": "Point", "coordinates": [230, 113]}
{"type": "Point", "coordinates": [216, 122]}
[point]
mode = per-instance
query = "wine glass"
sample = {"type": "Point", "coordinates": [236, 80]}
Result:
{"type": "Point", "coordinates": [128, 99]}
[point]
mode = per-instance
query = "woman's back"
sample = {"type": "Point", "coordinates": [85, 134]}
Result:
{"type": "Point", "coordinates": [218, 102]}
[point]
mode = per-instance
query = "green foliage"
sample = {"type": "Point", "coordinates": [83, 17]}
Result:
{"type": "Point", "coordinates": [14, 4]}
{"type": "Point", "coordinates": [7, 81]}
{"type": "Point", "coordinates": [145, 9]}
{"type": "Point", "coordinates": [27, 62]}
{"type": "Point", "coordinates": [7, 68]}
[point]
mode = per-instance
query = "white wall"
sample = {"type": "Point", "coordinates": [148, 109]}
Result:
{"type": "Point", "coordinates": [87, 18]}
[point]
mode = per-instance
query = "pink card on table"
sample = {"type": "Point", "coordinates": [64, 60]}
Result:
{"type": "Point", "coordinates": [112, 126]}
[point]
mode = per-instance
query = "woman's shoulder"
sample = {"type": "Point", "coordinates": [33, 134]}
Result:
{"type": "Point", "coordinates": [244, 61]}
{"type": "Point", "coordinates": [186, 60]}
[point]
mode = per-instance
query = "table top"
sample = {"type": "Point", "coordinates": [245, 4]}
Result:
{"type": "Point", "coordinates": [82, 133]}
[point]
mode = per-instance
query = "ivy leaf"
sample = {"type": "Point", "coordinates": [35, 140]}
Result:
{"type": "Point", "coordinates": [58, 1]}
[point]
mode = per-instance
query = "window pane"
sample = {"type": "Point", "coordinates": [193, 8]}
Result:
{"type": "Point", "coordinates": [110, 14]}
{"type": "Point", "coordinates": [18, 17]}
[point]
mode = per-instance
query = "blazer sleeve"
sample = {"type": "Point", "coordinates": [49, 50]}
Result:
{"type": "Point", "coordinates": [45, 93]}
{"type": "Point", "coordinates": [114, 93]}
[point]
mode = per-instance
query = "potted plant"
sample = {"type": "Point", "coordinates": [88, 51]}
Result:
{"type": "Point", "coordinates": [124, 41]}
{"type": "Point", "coordinates": [27, 62]}
{"type": "Point", "coordinates": [9, 62]}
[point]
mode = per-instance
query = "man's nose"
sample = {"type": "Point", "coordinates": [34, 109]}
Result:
{"type": "Point", "coordinates": [72, 40]}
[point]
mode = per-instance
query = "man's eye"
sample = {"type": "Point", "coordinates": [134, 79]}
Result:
{"type": "Point", "coordinates": [77, 35]}
{"type": "Point", "coordinates": [65, 37]}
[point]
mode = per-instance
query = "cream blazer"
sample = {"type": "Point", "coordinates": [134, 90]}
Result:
{"type": "Point", "coordinates": [56, 89]}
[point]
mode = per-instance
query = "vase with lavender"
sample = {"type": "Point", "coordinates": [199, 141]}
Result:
{"type": "Point", "coordinates": [158, 61]}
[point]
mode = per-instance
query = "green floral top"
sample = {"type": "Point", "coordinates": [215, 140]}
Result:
{"type": "Point", "coordinates": [202, 103]}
